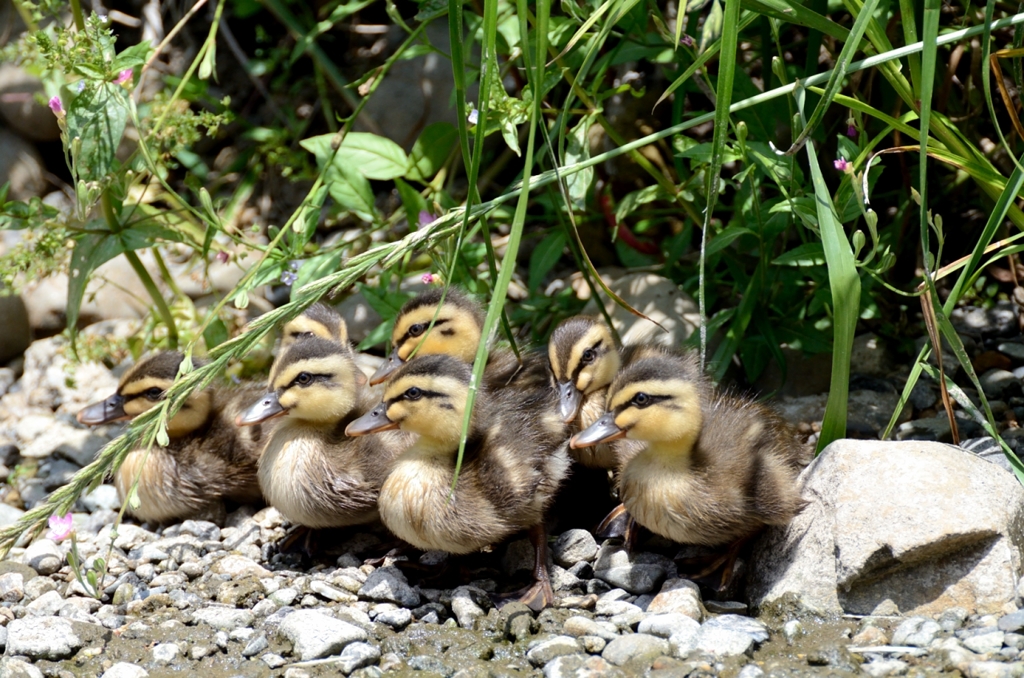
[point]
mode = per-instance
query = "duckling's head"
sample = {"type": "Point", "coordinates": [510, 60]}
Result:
{"type": "Point", "coordinates": [456, 332]}
{"type": "Point", "coordinates": [319, 320]}
{"type": "Point", "coordinates": [583, 360]}
{"type": "Point", "coordinates": [654, 400]}
{"type": "Point", "coordinates": [425, 396]}
{"type": "Point", "coordinates": [144, 386]}
{"type": "Point", "coordinates": [315, 381]}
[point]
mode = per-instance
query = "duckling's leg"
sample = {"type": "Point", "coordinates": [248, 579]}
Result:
{"type": "Point", "coordinates": [619, 525]}
{"type": "Point", "coordinates": [538, 595]}
{"type": "Point", "coordinates": [726, 563]}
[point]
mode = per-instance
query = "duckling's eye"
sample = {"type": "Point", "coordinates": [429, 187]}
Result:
{"type": "Point", "coordinates": [153, 393]}
{"type": "Point", "coordinates": [304, 379]}
{"type": "Point", "coordinates": [589, 356]}
{"type": "Point", "coordinates": [417, 329]}
{"type": "Point", "coordinates": [641, 400]}
{"type": "Point", "coordinates": [414, 393]}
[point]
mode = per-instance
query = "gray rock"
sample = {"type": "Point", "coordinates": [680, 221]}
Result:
{"type": "Point", "coordinates": [584, 626]}
{"type": "Point", "coordinates": [103, 497]}
{"type": "Point", "coordinates": [916, 631]}
{"type": "Point", "coordinates": [12, 587]}
{"type": "Point", "coordinates": [792, 630]}
{"type": "Point", "coordinates": [16, 668]}
{"type": "Point", "coordinates": [668, 624]}
{"type": "Point", "coordinates": [870, 356]}
{"type": "Point", "coordinates": [678, 595]}
{"type": "Point", "coordinates": [255, 646]}
{"type": "Point", "coordinates": [467, 605]}
{"type": "Point", "coordinates": [50, 638]}
{"type": "Point", "coordinates": [757, 631]}
{"type": "Point", "coordinates": [723, 642]}
{"type": "Point", "coordinates": [985, 642]}
{"type": "Point", "coordinates": [276, 661]}
{"type": "Point", "coordinates": [224, 618]}
{"type": "Point", "coordinates": [750, 671]}
{"type": "Point", "coordinates": [125, 670]}
{"type": "Point", "coordinates": [884, 667]}
{"type": "Point", "coordinates": [999, 384]}
{"type": "Point", "coordinates": [581, 666]}
{"type": "Point", "coordinates": [17, 334]}
{"type": "Point", "coordinates": [324, 590]}
{"type": "Point", "coordinates": [315, 635]}
{"type": "Point", "coordinates": [388, 584]}
{"type": "Point", "coordinates": [20, 165]}
{"type": "Point", "coordinates": [46, 605]}
{"type": "Point", "coordinates": [546, 650]}
{"type": "Point", "coordinates": [656, 297]}
{"type": "Point", "coordinates": [397, 619]}
{"type": "Point", "coordinates": [165, 653]}
{"type": "Point", "coordinates": [44, 556]}
{"type": "Point", "coordinates": [637, 648]}
{"type": "Point", "coordinates": [635, 578]}
{"type": "Point", "coordinates": [573, 546]}
{"type": "Point", "coordinates": [992, 669]}
{"type": "Point", "coordinates": [18, 106]}
{"type": "Point", "coordinates": [9, 515]}
{"type": "Point", "coordinates": [356, 656]}
{"type": "Point", "coordinates": [1012, 622]}
{"type": "Point", "coordinates": [926, 525]}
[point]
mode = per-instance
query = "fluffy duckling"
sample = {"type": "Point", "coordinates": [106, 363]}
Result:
{"type": "Point", "coordinates": [318, 320]}
{"type": "Point", "coordinates": [207, 460]}
{"type": "Point", "coordinates": [510, 473]}
{"type": "Point", "coordinates": [457, 331]}
{"type": "Point", "coordinates": [715, 468]}
{"type": "Point", "coordinates": [584, 361]}
{"type": "Point", "coordinates": [308, 469]}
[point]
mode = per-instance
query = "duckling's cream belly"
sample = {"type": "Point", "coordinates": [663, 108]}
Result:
{"type": "Point", "coordinates": [417, 506]}
{"type": "Point", "coordinates": [298, 478]}
{"type": "Point", "coordinates": [163, 494]}
{"type": "Point", "coordinates": [665, 497]}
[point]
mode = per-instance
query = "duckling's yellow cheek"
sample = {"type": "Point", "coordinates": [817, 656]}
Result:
{"type": "Point", "coordinates": [137, 406]}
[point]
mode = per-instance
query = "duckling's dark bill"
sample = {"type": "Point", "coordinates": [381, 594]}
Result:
{"type": "Point", "coordinates": [103, 412]}
{"type": "Point", "coordinates": [372, 422]}
{"type": "Point", "coordinates": [268, 407]}
{"type": "Point", "coordinates": [569, 399]}
{"type": "Point", "coordinates": [390, 364]}
{"type": "Point", "coordinates": [601, 431]}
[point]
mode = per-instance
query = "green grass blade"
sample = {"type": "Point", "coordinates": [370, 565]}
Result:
{"type": "Point", "coordinates": [795, 13]}
{"type": "Point", "coordinates": [845, 286]}
{"type": "Point", "coordinates": [726, 75]}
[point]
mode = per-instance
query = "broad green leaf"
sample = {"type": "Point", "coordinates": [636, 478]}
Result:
{"type": "Point", "coordinates": [97, 116]}
{"type": "Point", "coordinates": [544, 257]}
{"type": "Point", "coordinates": [92, 250]}
{"type": "Point", "coordinates": [315, 268]}
{"type": "Point", "coordinates": [131, 57]}
{"type": "Point", "coordinates": [349, 188]}
{"type": "Point", "coordinates": [412, 202]}
{"type": "Point", "coordinates": [808, 254]}
{"type": "Point", "coordinates": [632, 200]}
{"type": "Point", "coordinates": [215, 334]}
{"type": "Point", "coordinates": [431, 151]}
{"type": "Point", "coordinates": [578, 150]}
{"type": "Point", "coordinates": [725, 238]}
{"type": "Point", "coordinates": [372, 156]}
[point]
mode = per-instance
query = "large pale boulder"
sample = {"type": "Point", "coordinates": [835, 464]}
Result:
{"type": "Point", "coordinates": [925, 525]}
{"type": "Point", "coordinates": [658, 298]}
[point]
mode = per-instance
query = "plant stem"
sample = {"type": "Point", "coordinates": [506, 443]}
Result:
{"type": "Point", "coordinates": [158, 299]}
{"type": "Point", "coordinates": [76, 10]}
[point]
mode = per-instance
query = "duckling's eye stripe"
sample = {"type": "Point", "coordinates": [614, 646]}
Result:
{"type": "Point", "coordinates": [424, 393]}
{"type": "Point", "coordinates": [596, 348]}
{"type": "Point", "coordinates": [651, 400]}
{"type": "Point", "coordinates": [408, 333]}
{"type": "Point", "coordinates": [315, 378]}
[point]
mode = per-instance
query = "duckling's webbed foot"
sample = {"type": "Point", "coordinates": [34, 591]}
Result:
{"type": "Point", "coordinates": [538, 595]}
{"type": "Point", "coordinates": [619, 525]}
{"type": "Point", "coordinates": [717, 574]}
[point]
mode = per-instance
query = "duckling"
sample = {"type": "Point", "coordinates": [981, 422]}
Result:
{"type": "Point", "coordinates": [584, 361]}
{"type": "Point", "coordinates": [207, 459]}
{"type": "Point", "coordinates": [457, 331]}
{"type": "Point", "coordinates": [715, 468]}
{"type": "Point", "coordinates": [308, 469]}
{"type": "Point", "coordinates": [510, 472]}
{"type": "Point", "coordinates": [318, 320]}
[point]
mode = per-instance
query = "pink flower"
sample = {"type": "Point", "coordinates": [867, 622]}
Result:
{"type": "Point", "coordinates": [851, 130]}
{"type": "Point", "coordinates": [686, 40]}
{"type": "Point", "coordinates": [223, 257]}
{"type": "Point", "coordinates": [60, 527]}
{"type": "Point", "coordinates": [843, 165]}
{"type": "Point", "coordinates": [425, 218]}
{"type": "Point", "coordinates": [57, 107]}
{"type": "Point", "coordinates": [124, 76]}
{"type": "Point", "coordinates": [430, 278]}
